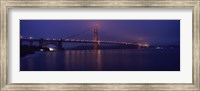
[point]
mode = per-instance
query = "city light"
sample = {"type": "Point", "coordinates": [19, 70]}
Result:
{"type": "Point", "coordinates": [145, 45]}
{"type": "Point", "coordinates": [51, 49]}
{"type": "Point", "coordinates": [139, 44]}
{"type": "Point", "coordinates": [41, 49]}
{"type": "Point", "coordinates": [158, 47]}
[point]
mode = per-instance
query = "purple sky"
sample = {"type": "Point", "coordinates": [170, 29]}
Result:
{"type": "Point", "coordinates": [153, 32]}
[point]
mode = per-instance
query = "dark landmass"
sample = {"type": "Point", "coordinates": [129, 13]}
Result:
{"type": "Point", "coordinates": [25, 49]}
{"type": "Point", "coordinates": [164, 47]}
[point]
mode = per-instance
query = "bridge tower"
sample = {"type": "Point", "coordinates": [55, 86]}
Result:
{"type": "Point", "coordinates": [96, 37]}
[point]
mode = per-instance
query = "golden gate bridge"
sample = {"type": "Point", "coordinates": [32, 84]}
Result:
{"type": "Point", "coordinates": [59, 42]}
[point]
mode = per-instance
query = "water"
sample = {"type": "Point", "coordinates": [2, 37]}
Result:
{"type": "Point", "coordinates": [103, 60]}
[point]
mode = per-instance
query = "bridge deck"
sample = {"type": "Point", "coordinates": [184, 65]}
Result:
{"type": "Point", "coordinates": [78, 41]}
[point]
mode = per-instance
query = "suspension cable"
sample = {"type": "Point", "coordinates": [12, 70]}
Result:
{"type": "Point", "coordinates": [82, 32]}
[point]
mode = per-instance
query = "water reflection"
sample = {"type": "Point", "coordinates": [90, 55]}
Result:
{"type": "Point", "coordinates": [97, 55]}
{"type": "Point", "coordinates": [102, 60]}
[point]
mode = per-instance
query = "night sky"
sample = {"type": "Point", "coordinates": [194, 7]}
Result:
{"type": "Point", "coordinates": [153, 32]}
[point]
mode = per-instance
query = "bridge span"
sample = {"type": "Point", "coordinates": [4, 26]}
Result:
{"type": "Point", "coordinates": [59, 42]}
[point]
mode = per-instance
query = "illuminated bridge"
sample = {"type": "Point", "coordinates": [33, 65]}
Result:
{"type": "Point", "coordinates": [59, 42]}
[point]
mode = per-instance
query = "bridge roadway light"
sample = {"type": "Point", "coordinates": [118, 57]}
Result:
{"type": "Point", "coordinates": [30, 37]}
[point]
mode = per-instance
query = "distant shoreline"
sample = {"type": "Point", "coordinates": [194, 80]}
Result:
{"type": "Point", "coordinates": [26, 50]}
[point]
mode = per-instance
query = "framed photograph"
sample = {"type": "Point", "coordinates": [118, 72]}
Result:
{"type": "Point", "coordinates": [99, 45]}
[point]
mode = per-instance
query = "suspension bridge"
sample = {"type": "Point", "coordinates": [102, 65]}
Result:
{"type": "Point", "coordinates": [59, 42]}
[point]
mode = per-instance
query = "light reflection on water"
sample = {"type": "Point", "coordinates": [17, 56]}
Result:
{"type": "Point", "coordinates": [103, 60]}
